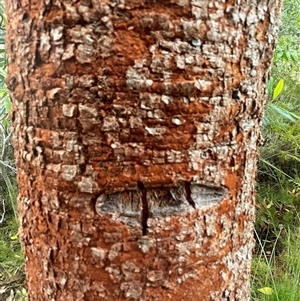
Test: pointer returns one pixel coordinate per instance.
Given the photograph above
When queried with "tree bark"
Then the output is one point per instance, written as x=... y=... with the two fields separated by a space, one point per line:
x=136 y=126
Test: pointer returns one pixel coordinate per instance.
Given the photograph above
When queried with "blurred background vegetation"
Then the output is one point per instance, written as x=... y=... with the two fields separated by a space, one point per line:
x=11 y=255
x=276 y=260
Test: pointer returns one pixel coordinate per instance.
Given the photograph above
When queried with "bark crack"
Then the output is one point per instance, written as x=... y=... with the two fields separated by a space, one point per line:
x=145 y=207
x=187 y=188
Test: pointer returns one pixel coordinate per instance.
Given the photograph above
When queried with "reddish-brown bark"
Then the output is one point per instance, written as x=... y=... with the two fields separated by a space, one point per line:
x=136 y=125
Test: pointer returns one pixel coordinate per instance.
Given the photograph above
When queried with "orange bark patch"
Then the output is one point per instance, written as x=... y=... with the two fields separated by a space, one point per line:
x=238 y=76
x=45 y=70
x=129 y=44
x=232 y=182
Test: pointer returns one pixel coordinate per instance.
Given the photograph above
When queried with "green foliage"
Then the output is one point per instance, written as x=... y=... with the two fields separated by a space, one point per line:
x=277 y=207
x=288 y=49
x=7 y=168
x=277 y=110
x=280 y=274
x=282 y=114
x=11 y=255
x=276 y=263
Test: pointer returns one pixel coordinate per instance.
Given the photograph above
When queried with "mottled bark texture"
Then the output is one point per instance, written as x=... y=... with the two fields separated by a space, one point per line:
x=136 y=127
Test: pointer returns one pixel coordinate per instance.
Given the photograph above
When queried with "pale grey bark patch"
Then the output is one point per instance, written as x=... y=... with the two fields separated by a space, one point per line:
x=99 y=252
x=87 y=185
x=145 y=244
x=132 y=290
x=123 y=206
x=205 y=195
x=69 y=172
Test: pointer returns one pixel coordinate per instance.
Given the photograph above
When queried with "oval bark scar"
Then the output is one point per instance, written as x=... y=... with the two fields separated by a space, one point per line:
x=134 y=208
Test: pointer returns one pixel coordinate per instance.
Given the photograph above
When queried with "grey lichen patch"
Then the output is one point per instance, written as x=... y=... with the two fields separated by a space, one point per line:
x=194 y=156
x=157 y=131
x=167 y=99
x=156 y=114
x=130 y=270
x=110 y=123
x=61 y=279
x=146 y=244
x=69 y=110
x=174 y=156
x=71 y=142
x=135 y=80
x=114 y=251
x=135 y=122
x=69 y=172
x=57 y=33
x=69 y=52
x=132 y=290
x=86 y=81
x=98 y=252
x=204 y=85
x=87 y=184
x=84 y=53
x=88 y=111
x=156 y=276
x=45 y=45
x=114 y=273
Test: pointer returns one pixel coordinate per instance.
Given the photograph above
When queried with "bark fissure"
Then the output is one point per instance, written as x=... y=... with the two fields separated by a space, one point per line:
x=187 y=187
x=145 y=207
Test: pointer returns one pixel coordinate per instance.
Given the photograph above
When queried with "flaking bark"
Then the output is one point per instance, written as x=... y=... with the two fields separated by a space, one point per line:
x=136 y=126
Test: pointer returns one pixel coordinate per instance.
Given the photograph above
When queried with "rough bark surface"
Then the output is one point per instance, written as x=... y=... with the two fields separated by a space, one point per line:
x=136 y=124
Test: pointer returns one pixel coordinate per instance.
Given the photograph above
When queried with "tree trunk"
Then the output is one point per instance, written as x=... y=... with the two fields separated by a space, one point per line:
x=136 y=126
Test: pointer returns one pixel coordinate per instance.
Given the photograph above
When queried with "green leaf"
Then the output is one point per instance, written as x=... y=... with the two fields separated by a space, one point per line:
x=283 y=112
x=288 y=216
x=270 y=85
x=14 y=237
x=7 y=104
x=266 y=121
x=287 y=56
x=278 y=55
x=294 y=55
x=266 y=290
x=269 y=205
x=278 y=89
